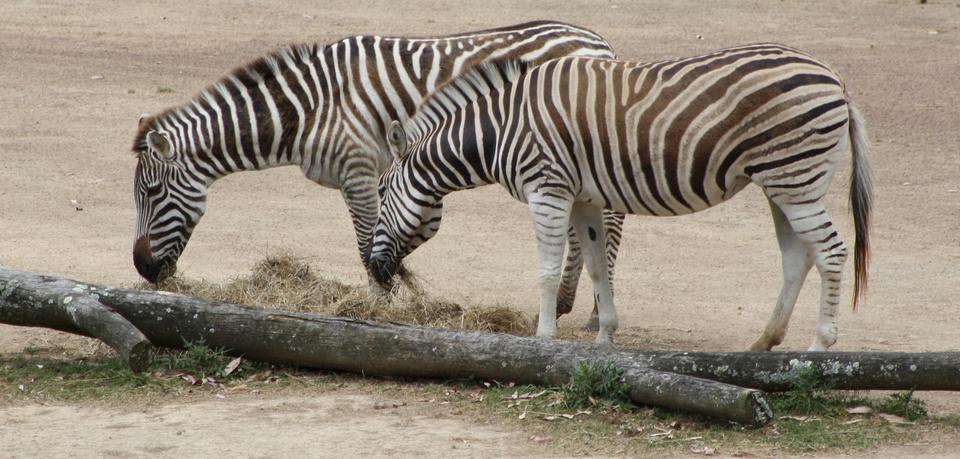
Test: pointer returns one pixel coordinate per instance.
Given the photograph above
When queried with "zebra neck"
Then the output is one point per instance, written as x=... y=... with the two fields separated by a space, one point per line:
x=260 y=116
x=461 y=154
x=222 y=156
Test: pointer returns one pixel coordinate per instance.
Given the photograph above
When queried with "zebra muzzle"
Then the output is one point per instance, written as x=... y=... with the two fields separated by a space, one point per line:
x=150 y=268
x=382 y=268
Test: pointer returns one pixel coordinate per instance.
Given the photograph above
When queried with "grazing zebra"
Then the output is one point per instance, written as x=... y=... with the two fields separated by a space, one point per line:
x=577 y=135
x=323 y=108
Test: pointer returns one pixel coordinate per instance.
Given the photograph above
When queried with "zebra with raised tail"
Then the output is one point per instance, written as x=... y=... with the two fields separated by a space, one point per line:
x=322 y=108
x=577 y=135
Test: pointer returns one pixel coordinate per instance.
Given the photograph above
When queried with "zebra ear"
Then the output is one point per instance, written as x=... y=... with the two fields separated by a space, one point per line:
x=143 y=116
x=397 y=139
x=159 y=143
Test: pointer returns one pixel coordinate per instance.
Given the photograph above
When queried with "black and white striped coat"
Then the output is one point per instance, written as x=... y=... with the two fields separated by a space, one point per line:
x=322 y=108
x=577 y=135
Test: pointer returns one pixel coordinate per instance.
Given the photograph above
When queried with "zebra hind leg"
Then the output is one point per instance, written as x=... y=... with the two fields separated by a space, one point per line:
x=612 y=231
x=796 y=264
x=571 y=274
x=587 y=219
x=812 y=225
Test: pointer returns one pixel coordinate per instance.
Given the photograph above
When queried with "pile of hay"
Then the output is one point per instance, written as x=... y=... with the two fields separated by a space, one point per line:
x=284 y=282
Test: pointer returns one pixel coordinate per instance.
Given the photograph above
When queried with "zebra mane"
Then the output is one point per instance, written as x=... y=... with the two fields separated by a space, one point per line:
x=469 y=87
x=263 y=66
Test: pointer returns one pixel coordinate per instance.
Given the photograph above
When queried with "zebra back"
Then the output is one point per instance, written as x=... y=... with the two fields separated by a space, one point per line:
x=663 y=138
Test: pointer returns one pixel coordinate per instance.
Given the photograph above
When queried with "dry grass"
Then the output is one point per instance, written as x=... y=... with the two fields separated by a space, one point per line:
x=283 y=281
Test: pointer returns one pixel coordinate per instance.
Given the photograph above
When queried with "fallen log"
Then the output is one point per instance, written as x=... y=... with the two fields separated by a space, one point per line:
x=774 y=371
x=335 y=343
x=74 y=311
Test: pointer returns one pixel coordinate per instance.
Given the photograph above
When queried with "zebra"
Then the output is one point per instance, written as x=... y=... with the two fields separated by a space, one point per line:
x=576 y=135
x=323 y=108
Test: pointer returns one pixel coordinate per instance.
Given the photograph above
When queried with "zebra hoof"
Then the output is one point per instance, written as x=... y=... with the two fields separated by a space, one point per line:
x=605 y=341
x=592 y=325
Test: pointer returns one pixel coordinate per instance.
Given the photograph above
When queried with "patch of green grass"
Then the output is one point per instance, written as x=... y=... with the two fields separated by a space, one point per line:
x=198 y=365
x=200 y=360
x=596 y=383
x=812 y=417
x=70 y=379
x=810 y=394
x=902 y=404
x=799 y=434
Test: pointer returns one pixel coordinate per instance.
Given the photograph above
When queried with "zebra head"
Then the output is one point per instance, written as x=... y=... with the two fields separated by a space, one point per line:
x=409 y=213
x=170 y=201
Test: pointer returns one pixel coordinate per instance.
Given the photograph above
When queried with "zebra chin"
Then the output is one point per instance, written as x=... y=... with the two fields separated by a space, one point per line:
x=383 y=267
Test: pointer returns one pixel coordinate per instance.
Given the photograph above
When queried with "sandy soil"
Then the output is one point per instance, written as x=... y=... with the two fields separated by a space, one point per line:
x=74 y=76
x=312 y=426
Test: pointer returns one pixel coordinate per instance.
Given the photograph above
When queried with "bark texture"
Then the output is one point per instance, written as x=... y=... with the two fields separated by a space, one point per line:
x=38 y=301
x=773 y=371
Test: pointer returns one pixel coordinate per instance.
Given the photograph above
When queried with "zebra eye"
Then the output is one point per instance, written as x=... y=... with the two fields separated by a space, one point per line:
x=154 y=189
x=397 y=138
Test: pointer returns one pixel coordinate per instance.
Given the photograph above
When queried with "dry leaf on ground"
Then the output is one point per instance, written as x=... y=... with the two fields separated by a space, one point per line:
x=894 y=419
x=860 y=410
x=232 y=366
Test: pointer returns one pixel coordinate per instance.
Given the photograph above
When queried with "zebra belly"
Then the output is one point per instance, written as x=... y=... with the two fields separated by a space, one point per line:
x=627 y=199
x=638 y=209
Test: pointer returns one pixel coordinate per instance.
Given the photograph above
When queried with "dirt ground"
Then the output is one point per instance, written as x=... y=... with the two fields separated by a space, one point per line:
x=323 y=425
x=75 y=76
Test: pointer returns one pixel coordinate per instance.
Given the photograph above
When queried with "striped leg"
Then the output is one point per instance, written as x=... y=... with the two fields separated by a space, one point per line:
x=796 y=264
x=612 y=229
x=812 y=226
x=571 y=274
x=587 y=219
x=612 y=225
x=359 y=191
x=551 y=215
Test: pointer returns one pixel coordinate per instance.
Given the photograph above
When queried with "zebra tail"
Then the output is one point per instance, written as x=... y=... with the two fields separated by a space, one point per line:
x=861 y=202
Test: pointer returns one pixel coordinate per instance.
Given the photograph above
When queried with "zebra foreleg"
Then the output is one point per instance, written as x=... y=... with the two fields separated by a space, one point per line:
x=796 y=264
x=359 y=192
x=587 y=219
x=551 y=216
